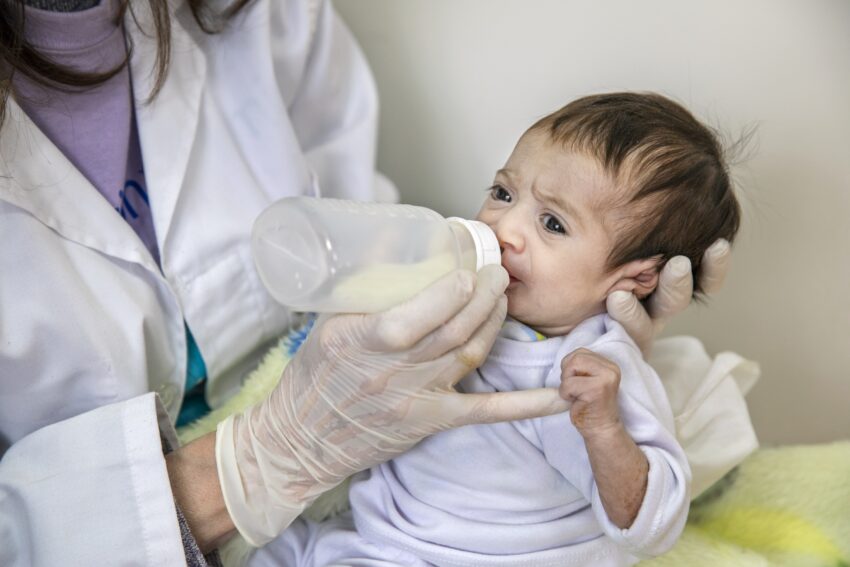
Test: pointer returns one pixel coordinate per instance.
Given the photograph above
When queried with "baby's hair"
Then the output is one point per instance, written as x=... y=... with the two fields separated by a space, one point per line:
x=668 y=168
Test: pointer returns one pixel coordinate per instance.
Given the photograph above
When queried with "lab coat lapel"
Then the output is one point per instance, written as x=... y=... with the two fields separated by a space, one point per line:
x=37 y=177
x=167 y=125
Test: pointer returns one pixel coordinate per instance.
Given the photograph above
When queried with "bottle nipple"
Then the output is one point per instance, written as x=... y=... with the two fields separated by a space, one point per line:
x=487 y=250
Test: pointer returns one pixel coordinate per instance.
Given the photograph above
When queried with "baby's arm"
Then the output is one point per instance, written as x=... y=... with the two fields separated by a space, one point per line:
x=634 y=472
x=620 y=469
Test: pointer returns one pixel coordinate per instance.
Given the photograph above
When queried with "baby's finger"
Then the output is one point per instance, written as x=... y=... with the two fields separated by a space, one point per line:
x=585 y=362
x=573 y=386
x=675 y=288
x=579 y=363
x=715 y=265
x=506 y=406
x=625 y=308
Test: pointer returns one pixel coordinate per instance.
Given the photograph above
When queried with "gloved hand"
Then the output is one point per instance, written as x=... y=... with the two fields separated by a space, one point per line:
x=673 y=294
x=362 y=389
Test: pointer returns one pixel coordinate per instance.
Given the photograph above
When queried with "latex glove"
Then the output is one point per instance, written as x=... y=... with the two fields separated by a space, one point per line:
x=362 y=389
x=673 y=294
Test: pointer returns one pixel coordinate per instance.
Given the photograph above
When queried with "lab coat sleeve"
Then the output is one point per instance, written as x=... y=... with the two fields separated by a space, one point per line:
x=91 y=490
x=335 y=108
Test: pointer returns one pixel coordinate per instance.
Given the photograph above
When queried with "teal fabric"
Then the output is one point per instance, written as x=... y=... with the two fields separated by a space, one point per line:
x=194 y=402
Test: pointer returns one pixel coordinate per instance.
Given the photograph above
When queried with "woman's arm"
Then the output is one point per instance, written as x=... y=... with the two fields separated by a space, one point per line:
x=194 y=482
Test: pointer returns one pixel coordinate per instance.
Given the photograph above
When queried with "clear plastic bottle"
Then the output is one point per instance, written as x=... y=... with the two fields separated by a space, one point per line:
x=334 y=256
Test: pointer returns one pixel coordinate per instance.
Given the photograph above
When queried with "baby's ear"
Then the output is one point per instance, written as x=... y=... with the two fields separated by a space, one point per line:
x=639 y=277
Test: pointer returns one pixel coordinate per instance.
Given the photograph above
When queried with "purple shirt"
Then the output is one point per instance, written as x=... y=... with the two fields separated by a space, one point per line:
x=94 y=128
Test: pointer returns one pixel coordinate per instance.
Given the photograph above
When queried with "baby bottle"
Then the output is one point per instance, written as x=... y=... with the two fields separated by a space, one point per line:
x=330 y=255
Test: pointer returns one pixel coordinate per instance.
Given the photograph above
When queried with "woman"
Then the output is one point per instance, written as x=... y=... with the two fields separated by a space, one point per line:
x=108 y=321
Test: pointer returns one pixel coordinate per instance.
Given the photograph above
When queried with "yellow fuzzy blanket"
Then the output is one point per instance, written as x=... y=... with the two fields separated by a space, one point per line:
x=787 y=506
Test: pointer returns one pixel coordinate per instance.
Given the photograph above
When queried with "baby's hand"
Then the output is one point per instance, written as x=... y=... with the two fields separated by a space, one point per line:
x=591 y=382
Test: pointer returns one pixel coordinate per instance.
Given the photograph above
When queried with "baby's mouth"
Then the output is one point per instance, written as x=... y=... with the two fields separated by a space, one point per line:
x=512 y=278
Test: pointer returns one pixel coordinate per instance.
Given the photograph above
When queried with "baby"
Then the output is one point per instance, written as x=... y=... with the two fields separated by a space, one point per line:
x=594 y=199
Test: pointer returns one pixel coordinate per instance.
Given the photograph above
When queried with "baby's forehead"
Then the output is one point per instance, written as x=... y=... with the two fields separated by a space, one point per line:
x=560 y=170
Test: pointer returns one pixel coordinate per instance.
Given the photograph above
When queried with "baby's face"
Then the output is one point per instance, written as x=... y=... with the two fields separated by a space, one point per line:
x=547 y=208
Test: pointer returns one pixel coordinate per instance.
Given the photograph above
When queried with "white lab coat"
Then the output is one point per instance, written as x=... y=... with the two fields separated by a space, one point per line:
x=281 y=103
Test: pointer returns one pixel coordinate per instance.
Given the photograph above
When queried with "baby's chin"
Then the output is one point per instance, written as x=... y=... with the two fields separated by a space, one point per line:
x=528 y=320
x=545 y=325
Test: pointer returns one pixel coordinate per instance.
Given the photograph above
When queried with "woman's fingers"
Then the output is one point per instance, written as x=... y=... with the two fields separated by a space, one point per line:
x=404 y=325
x=472 y=330
x=672 y=296
x=715 y=265
x=625 y=308
x=675 y=288
x=471 y=354
x=504 y=406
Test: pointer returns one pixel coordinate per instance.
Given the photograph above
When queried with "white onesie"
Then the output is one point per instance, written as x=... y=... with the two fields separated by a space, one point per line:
x=516 y=493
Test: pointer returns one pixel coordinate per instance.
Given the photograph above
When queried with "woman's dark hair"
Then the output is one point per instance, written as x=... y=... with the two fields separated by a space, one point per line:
x=18 y=56
x=676 y=193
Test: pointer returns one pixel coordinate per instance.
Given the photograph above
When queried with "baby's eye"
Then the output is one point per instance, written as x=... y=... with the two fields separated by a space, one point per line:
x=552 y=224
x=499 y=193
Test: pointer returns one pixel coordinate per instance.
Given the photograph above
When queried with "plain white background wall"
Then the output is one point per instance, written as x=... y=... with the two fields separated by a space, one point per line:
x=460 y=80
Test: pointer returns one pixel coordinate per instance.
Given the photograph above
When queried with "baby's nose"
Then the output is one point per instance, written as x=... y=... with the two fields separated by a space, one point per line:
x=509 y=238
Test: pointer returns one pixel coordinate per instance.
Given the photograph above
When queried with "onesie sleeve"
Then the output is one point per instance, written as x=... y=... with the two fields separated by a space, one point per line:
x=646 y=415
